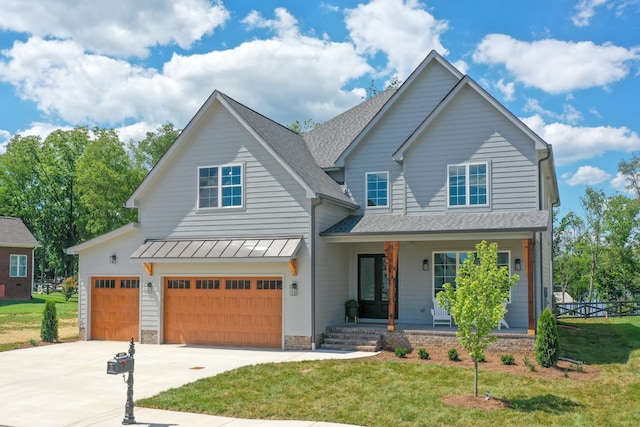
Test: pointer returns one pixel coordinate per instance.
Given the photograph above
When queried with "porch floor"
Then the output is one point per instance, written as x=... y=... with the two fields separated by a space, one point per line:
x=425 y=328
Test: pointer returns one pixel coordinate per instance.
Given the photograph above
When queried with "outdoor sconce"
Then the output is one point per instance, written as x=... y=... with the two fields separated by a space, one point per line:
x=518 y=265
x=425 y=265
x=113 y=259
x=294 y=289
x=149 y=287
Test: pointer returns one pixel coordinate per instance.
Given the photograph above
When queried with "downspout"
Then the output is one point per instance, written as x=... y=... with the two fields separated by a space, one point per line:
x=314 y=204
x=540 y=251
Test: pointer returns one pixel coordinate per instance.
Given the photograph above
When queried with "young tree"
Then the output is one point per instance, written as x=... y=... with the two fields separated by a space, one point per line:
x=594 y=203
x=49 y=328
x=476 y=303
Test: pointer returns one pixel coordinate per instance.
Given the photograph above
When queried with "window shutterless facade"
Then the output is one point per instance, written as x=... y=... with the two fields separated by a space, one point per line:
x=467 y=184
x=220 y=186
x=446 y=265
x=377 y=189
x=18 y=266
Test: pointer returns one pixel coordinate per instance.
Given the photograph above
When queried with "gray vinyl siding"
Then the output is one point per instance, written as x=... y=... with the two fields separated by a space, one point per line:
x=373 y=154
x=274 y=202
x=470 y=130
x=332 y=270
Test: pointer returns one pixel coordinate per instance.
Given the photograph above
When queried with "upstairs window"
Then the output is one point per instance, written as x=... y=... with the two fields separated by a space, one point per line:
x=378 y=189
x=18 y=266
x=220 y=186
x=467 y=184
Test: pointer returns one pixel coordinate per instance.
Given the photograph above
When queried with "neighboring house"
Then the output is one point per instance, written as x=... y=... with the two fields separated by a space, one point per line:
x=252 y=235
x=17 y=245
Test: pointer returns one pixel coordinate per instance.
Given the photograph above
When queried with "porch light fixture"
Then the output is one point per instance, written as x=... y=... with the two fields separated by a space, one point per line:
x=113 y=258
x=149 y=287
x=294 y=289
x=518 y=265
x=425 y=264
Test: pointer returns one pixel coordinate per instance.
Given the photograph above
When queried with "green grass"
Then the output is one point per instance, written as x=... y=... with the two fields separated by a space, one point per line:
x=392 y=393
x=20 y=321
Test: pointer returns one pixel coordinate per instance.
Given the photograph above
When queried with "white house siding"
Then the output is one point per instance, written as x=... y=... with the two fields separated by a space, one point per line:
x=471 y=130
x=331 y=270
x=274 y=201
x=415 y=286
x=373 y=154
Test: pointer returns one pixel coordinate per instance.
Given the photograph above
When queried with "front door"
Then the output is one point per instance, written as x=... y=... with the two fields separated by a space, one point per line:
x=373 y=287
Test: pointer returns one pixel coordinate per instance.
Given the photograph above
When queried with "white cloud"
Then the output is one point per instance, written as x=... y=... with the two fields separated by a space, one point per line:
x=585 y=11
x=587 y=175
x=116 y=27
x=620 y=183
x=507 y=89
x=569 y=113
x=403 y=30
x=557 y=66
x=287 y=77
x=327 y=7
x=462 y=66
x=572 y=144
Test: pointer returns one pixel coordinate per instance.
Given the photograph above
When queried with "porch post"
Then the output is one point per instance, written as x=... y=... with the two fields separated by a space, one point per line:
x=527 y=249
x=391 y=255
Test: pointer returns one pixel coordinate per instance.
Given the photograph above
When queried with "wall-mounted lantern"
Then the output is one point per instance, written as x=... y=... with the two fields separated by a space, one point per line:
x=294 y=289
x=113 y=258
x=149 y=286
x=425 y=264
x=518 y=265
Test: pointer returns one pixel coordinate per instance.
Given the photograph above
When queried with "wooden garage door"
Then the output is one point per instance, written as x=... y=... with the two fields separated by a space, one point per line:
x=115 y=306
x=234 y=311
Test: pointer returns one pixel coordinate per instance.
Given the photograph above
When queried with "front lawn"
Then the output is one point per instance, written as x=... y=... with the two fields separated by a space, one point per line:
x=393 y=393
x=20 y=321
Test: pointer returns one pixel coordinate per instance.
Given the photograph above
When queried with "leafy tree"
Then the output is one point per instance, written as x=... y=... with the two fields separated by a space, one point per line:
x=570 y=267
x=105 y=181
x=631 y=170
x=372 y=90
x=476 y=303
x=304 y=127
x=49 y=328
x=147 y=153
x=593 y=204
x=69 y=287
x=547 y=339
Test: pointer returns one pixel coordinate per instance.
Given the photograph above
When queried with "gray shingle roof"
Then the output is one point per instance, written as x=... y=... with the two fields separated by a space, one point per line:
x=13 y=233
x=291 y=148
x=329 y=139
x=440 y=223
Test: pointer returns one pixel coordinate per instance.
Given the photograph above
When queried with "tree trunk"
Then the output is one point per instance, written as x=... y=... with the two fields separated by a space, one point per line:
x=475 y=393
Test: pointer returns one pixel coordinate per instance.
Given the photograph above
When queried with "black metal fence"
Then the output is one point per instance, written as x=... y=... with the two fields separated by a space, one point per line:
x=598 y=309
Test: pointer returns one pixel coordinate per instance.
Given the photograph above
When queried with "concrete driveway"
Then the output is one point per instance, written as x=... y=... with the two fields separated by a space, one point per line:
x=67 y=384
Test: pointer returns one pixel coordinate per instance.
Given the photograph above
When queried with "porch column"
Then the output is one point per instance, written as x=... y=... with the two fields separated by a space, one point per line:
x=527 y=249
x=391 y=255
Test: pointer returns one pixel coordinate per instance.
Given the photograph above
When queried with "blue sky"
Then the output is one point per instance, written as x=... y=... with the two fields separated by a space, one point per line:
x=570 y=69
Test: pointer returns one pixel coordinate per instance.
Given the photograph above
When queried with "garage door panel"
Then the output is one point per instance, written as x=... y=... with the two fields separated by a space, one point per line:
x=235 y=313
x=114 y=308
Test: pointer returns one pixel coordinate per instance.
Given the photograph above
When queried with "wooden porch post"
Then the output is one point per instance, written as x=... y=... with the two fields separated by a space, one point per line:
x=391 y=255
x=527 y=249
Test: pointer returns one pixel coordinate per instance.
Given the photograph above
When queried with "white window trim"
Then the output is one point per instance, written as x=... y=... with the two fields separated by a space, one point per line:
x=467 y=184
x=458 y=264
x=366 y=190
x=18 y=264
x=219 y=167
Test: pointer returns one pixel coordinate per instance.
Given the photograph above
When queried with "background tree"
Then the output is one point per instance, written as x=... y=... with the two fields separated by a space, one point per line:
x=631 y=170
x=593 y=204
x=476 y=303
x=147 y=153
x=570 y=266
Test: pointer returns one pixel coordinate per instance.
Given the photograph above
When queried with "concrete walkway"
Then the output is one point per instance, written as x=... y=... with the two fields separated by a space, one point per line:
x=67 y=384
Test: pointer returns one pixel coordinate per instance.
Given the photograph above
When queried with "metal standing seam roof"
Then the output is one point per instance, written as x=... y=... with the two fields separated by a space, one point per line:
x=213 y=249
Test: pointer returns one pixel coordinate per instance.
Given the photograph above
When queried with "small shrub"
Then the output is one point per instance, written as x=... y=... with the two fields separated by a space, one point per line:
x=423 y=353
x=401 y=352
x=529 y=364
x=452 y=354
x=49 y=329
x=33 y=342
x=69 y=287
x=507 y=359
x=579 y=368
x=547 y=340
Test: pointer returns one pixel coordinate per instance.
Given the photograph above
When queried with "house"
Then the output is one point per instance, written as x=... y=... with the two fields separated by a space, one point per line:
x=17 y=246
x=252 y=235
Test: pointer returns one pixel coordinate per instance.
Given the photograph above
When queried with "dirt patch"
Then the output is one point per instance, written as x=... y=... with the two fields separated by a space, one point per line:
x=471 y=402
x=67 y=330
x=438 y=356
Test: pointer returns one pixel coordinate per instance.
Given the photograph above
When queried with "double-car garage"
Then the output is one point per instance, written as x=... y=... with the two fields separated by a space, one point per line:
x=226 y=311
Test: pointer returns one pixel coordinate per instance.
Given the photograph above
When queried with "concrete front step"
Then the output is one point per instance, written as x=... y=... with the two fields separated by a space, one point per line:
x=352 y=339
